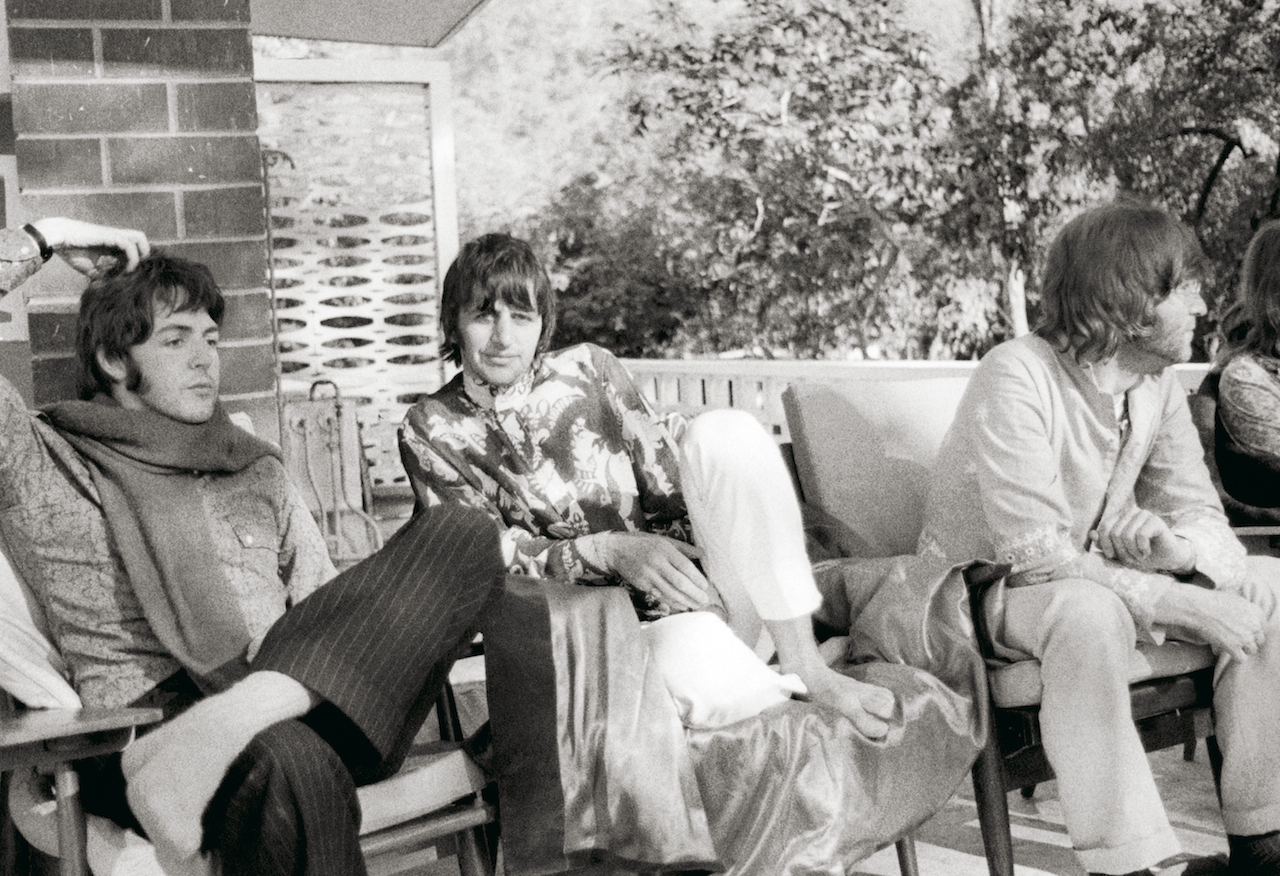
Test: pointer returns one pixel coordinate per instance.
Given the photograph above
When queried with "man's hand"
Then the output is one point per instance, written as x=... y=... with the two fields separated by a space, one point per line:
x=658 y=565
x=84 y=245
x=1141 y=540
x=1228 y=622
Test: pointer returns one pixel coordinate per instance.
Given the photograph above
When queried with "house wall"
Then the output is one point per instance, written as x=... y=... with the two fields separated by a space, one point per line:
x=142 y=113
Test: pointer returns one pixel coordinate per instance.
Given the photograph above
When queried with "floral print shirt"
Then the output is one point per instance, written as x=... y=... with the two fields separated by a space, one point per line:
x=1040 y=454
x=569 y=452
x=1248 y=445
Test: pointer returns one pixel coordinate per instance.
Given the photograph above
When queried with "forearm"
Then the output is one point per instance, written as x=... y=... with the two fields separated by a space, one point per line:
x=1217 y=552
x=584 y=557
x=19 y=258
x=1177 y=606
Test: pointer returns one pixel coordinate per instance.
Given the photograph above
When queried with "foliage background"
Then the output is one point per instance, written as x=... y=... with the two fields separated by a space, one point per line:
x=851 y=178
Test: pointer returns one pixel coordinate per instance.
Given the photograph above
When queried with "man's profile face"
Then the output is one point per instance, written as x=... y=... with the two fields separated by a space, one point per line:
x=178 y=365
x=1170 y=340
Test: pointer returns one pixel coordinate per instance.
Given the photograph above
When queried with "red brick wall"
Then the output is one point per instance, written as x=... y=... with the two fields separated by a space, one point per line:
x=142 y=113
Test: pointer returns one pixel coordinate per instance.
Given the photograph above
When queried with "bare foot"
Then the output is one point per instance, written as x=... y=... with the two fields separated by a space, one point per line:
x=868 y=706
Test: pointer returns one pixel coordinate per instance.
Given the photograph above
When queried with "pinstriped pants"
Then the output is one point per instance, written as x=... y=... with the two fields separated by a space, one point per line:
x=376 y=643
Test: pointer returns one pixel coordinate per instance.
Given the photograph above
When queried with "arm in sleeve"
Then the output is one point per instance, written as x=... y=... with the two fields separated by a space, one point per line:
x=1247 y=434
x=19 y=258
x=1175 y=484
x=21 y=452
x=1022 y=493
x=651 y=442
x=1249 y=407
x=304 y=557
x=440 y=472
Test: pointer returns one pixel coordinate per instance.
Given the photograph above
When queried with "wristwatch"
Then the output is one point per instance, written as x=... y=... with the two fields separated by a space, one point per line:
x=46 y=251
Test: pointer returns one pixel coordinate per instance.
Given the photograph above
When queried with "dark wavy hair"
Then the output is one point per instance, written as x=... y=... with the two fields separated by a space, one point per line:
x=117 y=312
x=1252 y=323
x=1106 y=272
x=489 y=269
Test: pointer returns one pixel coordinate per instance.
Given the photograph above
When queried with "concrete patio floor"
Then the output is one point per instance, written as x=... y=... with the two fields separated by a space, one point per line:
x=950 y=844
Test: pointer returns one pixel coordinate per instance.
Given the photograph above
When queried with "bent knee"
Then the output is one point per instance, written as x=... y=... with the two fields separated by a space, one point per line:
x=724 y=426
x=1087 y=619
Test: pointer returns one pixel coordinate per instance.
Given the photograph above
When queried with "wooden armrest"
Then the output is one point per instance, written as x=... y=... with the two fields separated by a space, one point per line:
x=1247 y=531
x=45 y=737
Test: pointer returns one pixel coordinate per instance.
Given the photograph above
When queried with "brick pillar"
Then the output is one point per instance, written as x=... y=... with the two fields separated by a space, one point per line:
x=142 y=113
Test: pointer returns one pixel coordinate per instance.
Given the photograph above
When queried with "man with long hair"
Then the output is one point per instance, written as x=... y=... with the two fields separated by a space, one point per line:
x=1077 y=447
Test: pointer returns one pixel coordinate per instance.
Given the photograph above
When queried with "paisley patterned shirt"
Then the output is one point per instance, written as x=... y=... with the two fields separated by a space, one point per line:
x=1036 y=456
x=571 y=451
x=1248 y=451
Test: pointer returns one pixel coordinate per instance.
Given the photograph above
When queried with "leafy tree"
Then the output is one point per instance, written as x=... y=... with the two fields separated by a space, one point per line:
x=1175 y=102
x=615 y=287
x=793 y=136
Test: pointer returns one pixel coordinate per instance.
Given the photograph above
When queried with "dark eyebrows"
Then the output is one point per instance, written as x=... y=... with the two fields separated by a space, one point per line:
x=186 y=330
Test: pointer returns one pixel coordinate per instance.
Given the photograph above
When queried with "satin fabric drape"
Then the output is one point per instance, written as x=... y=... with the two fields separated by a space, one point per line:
x=593 y=765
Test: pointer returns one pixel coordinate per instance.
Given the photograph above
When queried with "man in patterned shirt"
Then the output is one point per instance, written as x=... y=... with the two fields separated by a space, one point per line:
x=1078 y=449
x=164 y=545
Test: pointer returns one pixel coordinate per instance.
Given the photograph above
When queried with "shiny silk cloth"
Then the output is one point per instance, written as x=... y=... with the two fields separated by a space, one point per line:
x=593 y=765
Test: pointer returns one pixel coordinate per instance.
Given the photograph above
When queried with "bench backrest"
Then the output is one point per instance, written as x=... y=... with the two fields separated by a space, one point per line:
x=864 y=449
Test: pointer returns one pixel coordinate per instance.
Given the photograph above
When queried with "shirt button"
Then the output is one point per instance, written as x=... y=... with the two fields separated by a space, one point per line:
x=248 y=539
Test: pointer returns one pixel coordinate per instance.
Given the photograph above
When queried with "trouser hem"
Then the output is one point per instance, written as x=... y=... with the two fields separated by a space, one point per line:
x=1252 y=822
x=1131 y=856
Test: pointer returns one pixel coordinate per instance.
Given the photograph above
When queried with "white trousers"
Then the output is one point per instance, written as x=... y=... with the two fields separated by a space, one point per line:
x=747 y=521
x=1083 y=636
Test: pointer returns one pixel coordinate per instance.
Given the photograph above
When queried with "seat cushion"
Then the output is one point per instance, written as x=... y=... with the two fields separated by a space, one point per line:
x=1018 y=684
x=433 y=776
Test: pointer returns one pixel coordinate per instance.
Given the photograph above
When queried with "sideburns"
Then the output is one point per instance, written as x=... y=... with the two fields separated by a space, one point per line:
x=132 y=375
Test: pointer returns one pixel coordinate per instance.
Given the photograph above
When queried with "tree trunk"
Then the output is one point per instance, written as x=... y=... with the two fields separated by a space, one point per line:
x=1016 y=290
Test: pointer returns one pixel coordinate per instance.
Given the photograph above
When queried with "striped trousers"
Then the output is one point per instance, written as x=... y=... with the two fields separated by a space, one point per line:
x=376 y=643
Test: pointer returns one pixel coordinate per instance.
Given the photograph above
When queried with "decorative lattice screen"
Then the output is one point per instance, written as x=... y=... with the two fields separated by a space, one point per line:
x=349 y=168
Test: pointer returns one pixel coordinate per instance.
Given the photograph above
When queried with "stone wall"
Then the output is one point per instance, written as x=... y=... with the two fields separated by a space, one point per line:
x=143 y=113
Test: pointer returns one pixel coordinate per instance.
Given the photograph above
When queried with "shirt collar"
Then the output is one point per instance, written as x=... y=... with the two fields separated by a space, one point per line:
x=490 y=397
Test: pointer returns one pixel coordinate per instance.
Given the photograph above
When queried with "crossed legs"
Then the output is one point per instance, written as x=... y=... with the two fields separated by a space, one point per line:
x=372 y=648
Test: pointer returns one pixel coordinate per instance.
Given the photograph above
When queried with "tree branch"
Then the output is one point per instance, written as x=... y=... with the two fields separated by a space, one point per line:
x=1223 y=155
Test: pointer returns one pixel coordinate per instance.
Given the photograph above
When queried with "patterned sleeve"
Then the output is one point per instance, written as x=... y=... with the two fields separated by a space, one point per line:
x=1249 y=411
x=432 y=451
x=304 y=557
x=651 y=443
x=19 y=258
x=1022 y=494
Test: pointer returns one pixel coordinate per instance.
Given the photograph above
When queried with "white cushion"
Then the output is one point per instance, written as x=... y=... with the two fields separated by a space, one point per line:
x=30 y=667
x=1018 y=684
x=864 y=450
x=713 y=676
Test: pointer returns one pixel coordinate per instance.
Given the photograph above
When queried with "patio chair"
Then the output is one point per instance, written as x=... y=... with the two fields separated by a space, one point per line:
x=435 y=796
x=863 y=452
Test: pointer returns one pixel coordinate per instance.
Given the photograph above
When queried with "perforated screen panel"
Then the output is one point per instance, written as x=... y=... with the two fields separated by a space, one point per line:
x=354 y=248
